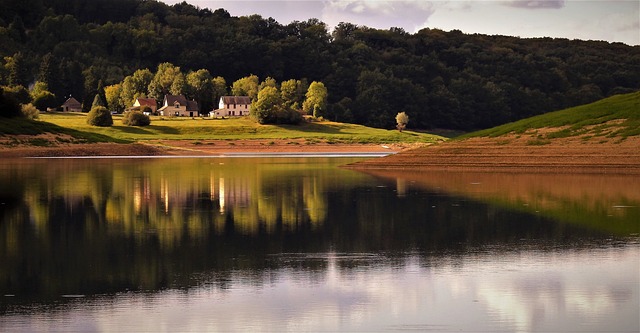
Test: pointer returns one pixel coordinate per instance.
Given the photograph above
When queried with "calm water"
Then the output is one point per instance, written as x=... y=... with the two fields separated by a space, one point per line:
x=297 y=244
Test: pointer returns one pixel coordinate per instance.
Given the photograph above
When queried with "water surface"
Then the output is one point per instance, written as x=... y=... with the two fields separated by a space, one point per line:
x=297 y=244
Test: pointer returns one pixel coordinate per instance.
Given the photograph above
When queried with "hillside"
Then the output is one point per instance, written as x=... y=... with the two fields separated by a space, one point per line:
x=602 y=137
x=441 y=79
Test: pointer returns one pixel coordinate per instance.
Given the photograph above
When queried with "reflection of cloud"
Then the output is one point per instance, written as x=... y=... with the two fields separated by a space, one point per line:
x=595 y=290
x=535 y=4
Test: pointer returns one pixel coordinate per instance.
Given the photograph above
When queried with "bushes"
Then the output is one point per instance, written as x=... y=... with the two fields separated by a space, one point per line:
x=99 y=116
x=30 y=111
x=135 y=118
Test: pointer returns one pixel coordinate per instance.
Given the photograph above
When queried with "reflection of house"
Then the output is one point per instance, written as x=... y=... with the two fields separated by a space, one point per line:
x=140 y=103
x=178 y=105
x=72 y=105
x=232 y=106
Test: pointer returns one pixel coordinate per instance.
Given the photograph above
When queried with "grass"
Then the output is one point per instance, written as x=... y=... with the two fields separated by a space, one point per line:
x=235 y=129
x=615 y=117
x=18 y=126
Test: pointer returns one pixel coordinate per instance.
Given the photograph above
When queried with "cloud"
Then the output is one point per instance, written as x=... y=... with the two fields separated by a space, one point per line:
x=378 y=13
x=535 y=4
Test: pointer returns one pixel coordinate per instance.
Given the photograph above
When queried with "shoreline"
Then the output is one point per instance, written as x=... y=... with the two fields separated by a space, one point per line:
x=486 y=155
x=204 y=148
x=514 y=155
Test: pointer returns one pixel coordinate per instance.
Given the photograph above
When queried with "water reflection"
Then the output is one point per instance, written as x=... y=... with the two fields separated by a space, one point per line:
x=299 y=244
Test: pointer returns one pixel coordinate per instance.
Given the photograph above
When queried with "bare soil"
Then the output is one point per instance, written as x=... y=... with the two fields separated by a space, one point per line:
x=518 y=154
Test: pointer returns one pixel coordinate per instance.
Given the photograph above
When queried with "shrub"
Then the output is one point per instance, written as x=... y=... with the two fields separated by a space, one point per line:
x=30 y=111
x=135 y=118
x=99 y=116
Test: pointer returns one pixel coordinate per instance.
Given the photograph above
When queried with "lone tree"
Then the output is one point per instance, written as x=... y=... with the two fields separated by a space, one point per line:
x=402 y=119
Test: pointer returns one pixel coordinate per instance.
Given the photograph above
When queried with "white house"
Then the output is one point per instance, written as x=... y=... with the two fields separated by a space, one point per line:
x=232 y=106
x=178 y=106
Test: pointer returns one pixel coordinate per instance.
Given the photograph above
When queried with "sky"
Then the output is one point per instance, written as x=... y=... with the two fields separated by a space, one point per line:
x=608 y=20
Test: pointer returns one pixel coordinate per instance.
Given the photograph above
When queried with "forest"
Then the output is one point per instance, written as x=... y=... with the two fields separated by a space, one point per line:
x=439 y=79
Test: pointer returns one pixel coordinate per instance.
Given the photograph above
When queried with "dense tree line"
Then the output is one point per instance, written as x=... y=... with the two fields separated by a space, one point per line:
x=438 y=78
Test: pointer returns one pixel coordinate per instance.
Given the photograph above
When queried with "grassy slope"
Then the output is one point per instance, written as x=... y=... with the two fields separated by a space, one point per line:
x=616 y=116
x=209 y=129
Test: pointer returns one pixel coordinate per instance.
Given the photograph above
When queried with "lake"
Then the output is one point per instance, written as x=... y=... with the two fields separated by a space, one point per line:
x=279 y=244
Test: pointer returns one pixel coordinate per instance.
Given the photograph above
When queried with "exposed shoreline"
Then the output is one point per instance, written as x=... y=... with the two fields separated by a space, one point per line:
x=473 y=155
x=516 y=155
x=205 y=148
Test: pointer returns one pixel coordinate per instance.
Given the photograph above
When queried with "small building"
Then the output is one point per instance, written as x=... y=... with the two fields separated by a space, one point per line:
x=178 y=106
x=71 y=105
x=140 y=103
x=232 y=106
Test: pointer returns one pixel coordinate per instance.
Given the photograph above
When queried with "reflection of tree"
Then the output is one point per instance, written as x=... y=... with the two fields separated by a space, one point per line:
x=111 y=225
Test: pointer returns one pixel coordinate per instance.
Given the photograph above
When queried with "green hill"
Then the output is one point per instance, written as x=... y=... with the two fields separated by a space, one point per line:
x=614 y=117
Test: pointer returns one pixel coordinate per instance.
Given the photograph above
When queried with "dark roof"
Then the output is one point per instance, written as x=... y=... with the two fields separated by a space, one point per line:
x=172 y=99
x=192 y=106
x=72 y=103
x=236 y=100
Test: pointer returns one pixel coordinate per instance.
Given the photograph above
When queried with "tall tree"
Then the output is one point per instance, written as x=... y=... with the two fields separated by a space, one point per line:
x=246 y=86
x=163 y=79
x=316 y=99
x=134 y=86
x=219 y=89
x=200 y=88
x=18 y=73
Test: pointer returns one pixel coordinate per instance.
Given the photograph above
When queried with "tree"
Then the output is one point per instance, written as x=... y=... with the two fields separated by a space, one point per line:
x=18 y=74
x=246 y=86
x=99 y=116
x=50 y=74
x=293 y=93
x=112 y=94
x=263 y=109
x=200 y=88
x=41 y=96
x=316 y=99
x=9 y=108
x=163 y=81
x=134 y=86
x=97 y=101
x=402 y=119
x=219 y=89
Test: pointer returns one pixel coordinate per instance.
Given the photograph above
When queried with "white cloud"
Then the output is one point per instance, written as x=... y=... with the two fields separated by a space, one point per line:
x=535 y=4
x=380 y=14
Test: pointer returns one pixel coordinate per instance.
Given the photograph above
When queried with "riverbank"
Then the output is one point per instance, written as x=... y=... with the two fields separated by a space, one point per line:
x=199 y=148
x=517 y=154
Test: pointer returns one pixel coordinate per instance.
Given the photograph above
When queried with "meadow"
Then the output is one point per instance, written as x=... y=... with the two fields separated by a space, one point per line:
x=185 y=128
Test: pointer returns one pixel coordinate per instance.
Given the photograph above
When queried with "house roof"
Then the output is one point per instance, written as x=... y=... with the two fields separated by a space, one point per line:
x=236 y=100
x=72 y=103
x=192 y=106
x=147 y=102
x=172 y=99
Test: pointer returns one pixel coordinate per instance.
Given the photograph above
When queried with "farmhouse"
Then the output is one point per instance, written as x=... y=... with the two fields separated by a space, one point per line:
x=140 y=103
x=71 y=105
x=232 y=106
x=178 y=106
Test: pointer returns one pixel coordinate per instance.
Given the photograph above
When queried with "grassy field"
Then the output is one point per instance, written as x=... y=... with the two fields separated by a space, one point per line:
x=75 y=125
x=614 y=117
